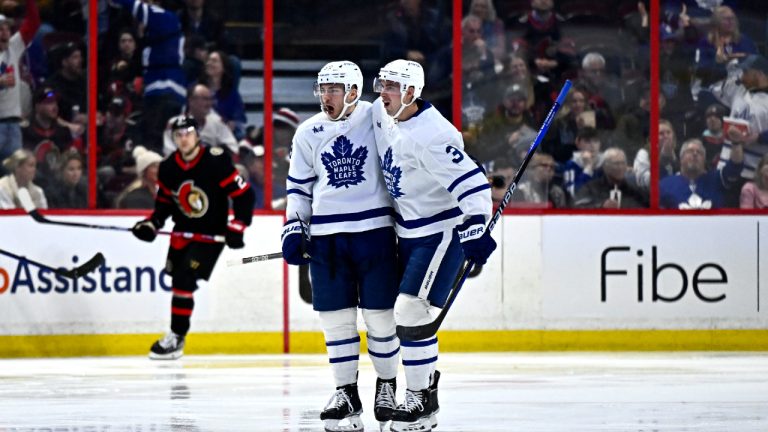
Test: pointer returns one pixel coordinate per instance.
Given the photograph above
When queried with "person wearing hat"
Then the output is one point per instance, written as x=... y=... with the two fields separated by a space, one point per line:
x=69 y=81
x=712 y=137
x=195 y=186
x=21 y=167
x=12 y=47
x=45 y=136
x=141 y=193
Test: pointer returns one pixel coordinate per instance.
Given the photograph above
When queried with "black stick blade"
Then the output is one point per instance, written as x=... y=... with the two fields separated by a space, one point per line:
x=87 y=267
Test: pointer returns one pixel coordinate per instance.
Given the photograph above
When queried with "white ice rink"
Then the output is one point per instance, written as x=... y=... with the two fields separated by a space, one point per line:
x=478 y=392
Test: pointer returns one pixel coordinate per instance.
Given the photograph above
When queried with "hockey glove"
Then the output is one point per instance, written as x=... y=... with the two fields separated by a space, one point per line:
x=296 y=244
x=145 y=230
x=234 y=235
x=476 y=242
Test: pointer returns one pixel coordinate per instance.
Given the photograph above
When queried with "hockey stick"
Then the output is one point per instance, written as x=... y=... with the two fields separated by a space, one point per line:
x=74 y=273
x=428 y=330
x=275 y=255
x=29 y=207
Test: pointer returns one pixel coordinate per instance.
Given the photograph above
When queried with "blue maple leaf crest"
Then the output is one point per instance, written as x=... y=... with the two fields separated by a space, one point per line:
x=392 y=174
x=344 y=165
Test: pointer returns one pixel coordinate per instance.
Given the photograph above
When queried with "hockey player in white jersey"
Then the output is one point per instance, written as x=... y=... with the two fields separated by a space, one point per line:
x=335 y=183
x=442 y=201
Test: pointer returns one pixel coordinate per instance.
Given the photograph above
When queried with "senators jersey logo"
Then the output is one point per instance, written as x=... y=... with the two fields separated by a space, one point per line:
x=192 y=200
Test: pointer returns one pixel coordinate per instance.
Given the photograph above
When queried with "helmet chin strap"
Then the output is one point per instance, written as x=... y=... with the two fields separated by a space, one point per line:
x=346 y=106
x=403 y=106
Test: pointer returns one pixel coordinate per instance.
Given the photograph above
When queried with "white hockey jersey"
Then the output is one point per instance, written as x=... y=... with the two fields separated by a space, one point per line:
x=434 y=183
x=334 y=181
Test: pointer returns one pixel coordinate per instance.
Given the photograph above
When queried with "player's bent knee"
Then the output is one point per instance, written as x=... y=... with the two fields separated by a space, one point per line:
x=379 y=322
x=339 y=324
x=412 y=311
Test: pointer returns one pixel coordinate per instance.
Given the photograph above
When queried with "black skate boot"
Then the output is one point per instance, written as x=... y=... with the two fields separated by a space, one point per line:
x=413 y=414
x=170 y=347
x=434 y=407
x=342 y=413
x=385 y=403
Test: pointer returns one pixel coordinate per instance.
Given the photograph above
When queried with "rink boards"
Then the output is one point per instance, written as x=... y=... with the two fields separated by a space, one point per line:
x=569 y=282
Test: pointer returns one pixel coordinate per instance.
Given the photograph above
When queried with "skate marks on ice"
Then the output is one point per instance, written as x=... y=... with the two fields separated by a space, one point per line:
x=478 y=392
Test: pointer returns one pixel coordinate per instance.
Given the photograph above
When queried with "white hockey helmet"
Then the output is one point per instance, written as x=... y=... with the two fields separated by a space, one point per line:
x=407 y=73
x=341 y=72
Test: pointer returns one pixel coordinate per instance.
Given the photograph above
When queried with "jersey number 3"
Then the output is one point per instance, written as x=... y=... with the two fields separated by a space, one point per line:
x=457 y=155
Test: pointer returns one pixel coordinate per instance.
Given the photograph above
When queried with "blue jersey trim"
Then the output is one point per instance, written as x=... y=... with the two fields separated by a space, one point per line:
x=416 y=344
x=344 y=359
x=422 y=107
x=301 y=181
x=384 y=355
x=419 y=362
x=343 y=341
x=463 y=177
x=473 y=190
x=351 y=217
x=298 y=192
x=418 y=223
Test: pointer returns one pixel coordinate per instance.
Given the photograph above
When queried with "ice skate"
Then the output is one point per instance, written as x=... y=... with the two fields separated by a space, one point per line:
x=413 y=415
x=433 y=405
x=170 y=347
x=342 y=413
x=385 y=404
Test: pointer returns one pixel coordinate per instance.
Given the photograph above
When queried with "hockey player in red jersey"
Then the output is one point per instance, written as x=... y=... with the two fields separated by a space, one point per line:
x=196 y=183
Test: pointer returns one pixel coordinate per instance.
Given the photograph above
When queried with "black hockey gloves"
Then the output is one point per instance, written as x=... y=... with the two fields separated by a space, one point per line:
x=234 y=236
x=476 y=242
x=145 y=230
x=296 y=244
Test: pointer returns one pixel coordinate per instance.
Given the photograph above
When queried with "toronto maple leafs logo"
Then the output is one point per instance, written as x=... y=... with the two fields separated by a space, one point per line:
x=344 y=165
x=392 y=174
x=317 y=129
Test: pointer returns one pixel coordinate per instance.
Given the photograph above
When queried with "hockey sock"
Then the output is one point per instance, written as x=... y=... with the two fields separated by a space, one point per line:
x=343 y=344
x=383 y=344
x=419 y=359
x=182 y=305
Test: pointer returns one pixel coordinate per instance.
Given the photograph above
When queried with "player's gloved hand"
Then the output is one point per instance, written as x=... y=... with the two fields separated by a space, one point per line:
x=234 y=235
x=476 y=242
x=296 y=244
x=145 y=230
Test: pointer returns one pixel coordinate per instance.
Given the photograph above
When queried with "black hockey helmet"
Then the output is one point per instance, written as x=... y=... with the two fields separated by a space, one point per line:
x=185 y=122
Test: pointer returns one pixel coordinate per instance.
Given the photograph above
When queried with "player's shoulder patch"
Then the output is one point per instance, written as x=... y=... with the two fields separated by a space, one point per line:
x=216 y=151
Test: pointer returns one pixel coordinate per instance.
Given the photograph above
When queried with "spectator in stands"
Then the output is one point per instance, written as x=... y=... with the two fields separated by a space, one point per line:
x=586 y=163
x=492 y=30
x=633 y=128
x=723 y=43
x=229 y=104
x=695 y=187
x=164 y=82
x=21 y=166
x=197 y=20
x=668 y=162
x=69 y=82
x=141 y=193
x=712 y=137
x=613 y=189
x=45 y=136
x=502 y=133
x=541 y=34
x=602 y=86
x=126 y=68
x=195 y=55
x=415 y=32
x=252 y=158
x=69 y=189
x=754 y=194
x=560 y=142
x=538 y=189
x=12 y=47
x=477 y=62
x=284 y=124
x=210 y=126
x=117 y=137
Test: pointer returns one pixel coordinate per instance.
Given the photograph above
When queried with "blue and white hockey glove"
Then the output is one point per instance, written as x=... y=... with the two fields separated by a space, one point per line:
x=476 y=242
x=296 y=245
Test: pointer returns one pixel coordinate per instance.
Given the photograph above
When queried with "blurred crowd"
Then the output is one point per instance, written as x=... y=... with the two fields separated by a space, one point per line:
x=159 y=59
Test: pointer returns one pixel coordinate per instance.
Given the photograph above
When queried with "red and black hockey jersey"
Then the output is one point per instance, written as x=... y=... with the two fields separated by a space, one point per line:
x=196 y=193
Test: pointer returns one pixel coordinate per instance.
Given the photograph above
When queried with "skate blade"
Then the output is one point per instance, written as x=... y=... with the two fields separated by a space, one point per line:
x=421 y=425
x=352 y=423
x=170 y=356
